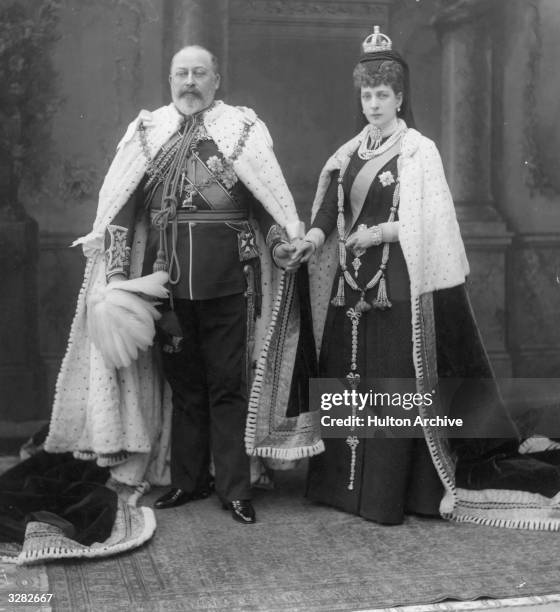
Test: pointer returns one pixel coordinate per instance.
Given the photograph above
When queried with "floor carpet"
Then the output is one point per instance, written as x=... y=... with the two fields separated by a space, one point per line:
x=301 y=557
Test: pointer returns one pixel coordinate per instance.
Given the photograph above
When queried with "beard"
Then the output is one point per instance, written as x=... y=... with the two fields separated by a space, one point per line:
x=190 y=102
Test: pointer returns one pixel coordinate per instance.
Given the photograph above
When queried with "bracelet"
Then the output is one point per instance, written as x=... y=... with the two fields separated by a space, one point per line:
x=276 y=235
x=273 y=251
x=377 y=234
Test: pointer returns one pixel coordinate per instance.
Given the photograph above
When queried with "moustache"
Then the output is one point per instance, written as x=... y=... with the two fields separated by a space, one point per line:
x=191 y=92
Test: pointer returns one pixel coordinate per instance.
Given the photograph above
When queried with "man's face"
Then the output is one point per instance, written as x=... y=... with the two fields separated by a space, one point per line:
x=193 y=81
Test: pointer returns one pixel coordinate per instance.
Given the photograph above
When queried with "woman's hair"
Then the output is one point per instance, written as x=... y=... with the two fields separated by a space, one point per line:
x=375 y=73
x=385 y=68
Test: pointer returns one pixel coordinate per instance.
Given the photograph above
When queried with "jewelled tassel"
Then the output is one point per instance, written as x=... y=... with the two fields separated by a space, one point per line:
x=339 y=299
x=382 y=302
x=362 y=305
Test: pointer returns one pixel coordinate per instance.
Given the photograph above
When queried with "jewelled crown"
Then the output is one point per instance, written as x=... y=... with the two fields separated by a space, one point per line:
x=376 y=42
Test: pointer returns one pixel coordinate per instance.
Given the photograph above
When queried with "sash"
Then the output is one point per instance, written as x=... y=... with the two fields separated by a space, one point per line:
x=211 y=190
x=363 y=182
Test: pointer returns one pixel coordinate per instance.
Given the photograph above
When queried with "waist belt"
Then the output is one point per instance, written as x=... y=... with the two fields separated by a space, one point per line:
x=206 y=216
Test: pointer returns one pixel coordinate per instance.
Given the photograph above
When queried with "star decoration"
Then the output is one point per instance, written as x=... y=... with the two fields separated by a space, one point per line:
x=386 y=178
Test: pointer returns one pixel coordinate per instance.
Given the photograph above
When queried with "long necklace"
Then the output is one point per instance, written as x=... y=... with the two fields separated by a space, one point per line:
x=381 y=302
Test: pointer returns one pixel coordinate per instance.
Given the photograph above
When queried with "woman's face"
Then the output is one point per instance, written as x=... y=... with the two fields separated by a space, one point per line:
x=379 y=105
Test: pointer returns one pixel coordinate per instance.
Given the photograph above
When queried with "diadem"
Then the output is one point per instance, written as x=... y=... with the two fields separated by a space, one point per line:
x=376 y=42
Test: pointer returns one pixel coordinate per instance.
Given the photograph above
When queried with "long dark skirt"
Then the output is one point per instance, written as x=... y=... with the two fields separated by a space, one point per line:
x=396 y=476
x=393 y=476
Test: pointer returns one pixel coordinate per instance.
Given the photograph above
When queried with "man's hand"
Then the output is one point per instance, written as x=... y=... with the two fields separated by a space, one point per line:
x=303 y=249
x=282 y=255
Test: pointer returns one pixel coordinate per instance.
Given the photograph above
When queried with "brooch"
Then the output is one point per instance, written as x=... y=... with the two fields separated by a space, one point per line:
x=386 y=178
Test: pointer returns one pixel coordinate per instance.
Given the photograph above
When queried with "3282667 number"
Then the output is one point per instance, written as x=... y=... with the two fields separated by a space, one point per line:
x=29 y=597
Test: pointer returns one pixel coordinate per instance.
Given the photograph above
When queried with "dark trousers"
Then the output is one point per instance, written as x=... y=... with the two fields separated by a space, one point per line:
x=209 y=387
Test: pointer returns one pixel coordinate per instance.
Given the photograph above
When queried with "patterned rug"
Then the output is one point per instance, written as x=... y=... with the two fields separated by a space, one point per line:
x=301 y=557
x=20 y=580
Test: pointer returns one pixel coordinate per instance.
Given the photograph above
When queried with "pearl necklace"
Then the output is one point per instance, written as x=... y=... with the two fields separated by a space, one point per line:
x=371 y=145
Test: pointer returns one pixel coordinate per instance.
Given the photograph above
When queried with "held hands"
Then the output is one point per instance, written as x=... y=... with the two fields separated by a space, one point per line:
x=303 y=249
x=299 y=250
x=282 y=254
x=291 y=255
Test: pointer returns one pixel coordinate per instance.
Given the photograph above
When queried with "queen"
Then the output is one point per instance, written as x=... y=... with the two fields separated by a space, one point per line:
x=387 y=278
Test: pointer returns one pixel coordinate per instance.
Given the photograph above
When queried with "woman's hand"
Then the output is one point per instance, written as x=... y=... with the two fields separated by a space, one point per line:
x=282 y=255
x=364 y=238
x=303 y=249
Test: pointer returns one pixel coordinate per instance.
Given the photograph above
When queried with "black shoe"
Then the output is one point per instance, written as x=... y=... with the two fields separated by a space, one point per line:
x=178 y=497
x=241 y=510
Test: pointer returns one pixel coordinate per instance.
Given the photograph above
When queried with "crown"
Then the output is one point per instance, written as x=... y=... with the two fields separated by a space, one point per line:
x=376 y=42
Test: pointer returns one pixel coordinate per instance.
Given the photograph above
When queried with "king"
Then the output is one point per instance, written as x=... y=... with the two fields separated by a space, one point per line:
x=194 y=190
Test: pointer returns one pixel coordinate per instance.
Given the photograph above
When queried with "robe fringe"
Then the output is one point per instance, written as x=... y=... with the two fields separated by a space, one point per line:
x=27 y=557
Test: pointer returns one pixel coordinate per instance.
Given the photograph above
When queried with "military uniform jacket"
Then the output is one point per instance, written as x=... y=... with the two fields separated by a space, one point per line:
x=214 y=234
